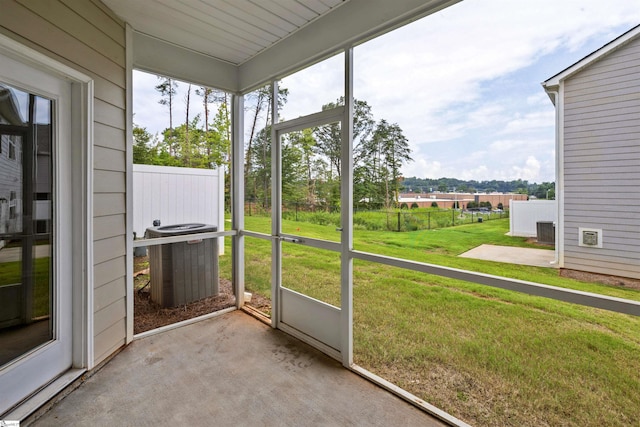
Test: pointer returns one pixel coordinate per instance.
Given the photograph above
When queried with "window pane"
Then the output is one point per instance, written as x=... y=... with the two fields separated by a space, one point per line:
x=25 y=222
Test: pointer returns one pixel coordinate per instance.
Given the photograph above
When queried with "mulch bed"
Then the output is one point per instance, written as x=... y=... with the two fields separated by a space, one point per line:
x=604 y=279
x=148 y=315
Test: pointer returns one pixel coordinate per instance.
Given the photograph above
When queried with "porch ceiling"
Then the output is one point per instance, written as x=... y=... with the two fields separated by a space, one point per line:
x=232 y=31
x=262 y=39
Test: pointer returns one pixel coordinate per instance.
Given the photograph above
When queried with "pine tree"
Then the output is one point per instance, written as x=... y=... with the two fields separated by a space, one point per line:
x=167 y=89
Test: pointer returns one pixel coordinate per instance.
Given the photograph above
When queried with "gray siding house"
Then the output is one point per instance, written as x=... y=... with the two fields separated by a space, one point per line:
x=597 y=104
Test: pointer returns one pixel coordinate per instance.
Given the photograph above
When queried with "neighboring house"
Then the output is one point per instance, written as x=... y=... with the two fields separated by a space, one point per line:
x=10 y=167
x=597 y=104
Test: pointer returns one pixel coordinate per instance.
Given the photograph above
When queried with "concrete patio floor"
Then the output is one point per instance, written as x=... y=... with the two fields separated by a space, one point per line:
x=231 y=370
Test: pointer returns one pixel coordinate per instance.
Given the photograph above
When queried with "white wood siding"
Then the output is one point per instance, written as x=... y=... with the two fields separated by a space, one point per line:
x=85 y=35
x=602 y=163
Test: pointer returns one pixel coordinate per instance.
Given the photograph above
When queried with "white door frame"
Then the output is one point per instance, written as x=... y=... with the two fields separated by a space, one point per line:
x=72 y=179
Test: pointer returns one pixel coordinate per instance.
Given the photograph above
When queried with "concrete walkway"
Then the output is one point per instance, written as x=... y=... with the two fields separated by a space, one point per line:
x=229 y=371
x=512 y=255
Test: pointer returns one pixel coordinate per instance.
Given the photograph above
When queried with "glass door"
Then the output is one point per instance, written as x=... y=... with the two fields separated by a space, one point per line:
x=35 y=290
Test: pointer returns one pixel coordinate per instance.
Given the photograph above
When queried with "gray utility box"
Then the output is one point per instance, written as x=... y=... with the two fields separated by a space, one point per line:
x=546 y=232
x=186 y=271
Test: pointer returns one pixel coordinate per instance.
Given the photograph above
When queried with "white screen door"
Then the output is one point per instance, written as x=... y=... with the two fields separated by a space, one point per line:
x=35 y=230
x=308 y=264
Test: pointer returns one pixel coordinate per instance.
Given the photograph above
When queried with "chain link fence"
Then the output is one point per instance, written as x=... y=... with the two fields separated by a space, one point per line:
x=379 y=219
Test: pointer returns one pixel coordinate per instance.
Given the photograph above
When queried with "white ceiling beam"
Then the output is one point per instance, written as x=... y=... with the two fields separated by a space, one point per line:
x=159 y=57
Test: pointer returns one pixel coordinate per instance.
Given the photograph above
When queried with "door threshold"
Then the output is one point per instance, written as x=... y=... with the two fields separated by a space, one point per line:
x=38 y=399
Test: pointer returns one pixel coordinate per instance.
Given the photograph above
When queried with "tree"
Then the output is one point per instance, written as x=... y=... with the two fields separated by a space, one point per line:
x=329 y=137
x=382 y=157
x=142 y=152
x=546 y=190
x=167 y=89
x=186 y=149
x=293 y=168
x=305 y=142
x=260 y=173
x=218 y=138
x=397 y=151
x=311 y=158
x=259 y=101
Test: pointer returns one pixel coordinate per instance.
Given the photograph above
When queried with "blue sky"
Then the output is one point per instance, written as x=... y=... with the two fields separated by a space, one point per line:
x=463 y=84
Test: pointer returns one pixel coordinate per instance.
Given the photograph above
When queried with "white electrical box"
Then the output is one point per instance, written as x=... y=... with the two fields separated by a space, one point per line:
x=590 y=237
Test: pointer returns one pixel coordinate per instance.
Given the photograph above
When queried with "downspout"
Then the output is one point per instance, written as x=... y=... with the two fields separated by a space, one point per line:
x=559 y=185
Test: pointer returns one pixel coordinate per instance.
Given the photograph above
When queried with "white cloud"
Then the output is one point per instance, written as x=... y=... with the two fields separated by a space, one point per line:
x=503 y=145
x=313 y=87
x=540 y=99
x=530 y=122
x=529 y=171
x=438 y=63
x=423 y=167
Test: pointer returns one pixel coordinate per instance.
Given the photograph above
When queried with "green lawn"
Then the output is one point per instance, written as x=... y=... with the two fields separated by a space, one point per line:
x=485 y=355
x=11 y=273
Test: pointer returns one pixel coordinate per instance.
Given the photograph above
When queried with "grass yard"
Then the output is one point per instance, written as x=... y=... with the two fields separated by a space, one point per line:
x=391 y=220
x=487 y=356
x=11 y=273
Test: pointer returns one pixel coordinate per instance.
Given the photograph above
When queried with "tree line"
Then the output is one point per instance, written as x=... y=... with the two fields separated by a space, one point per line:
x=311 y=158
x=195 y=142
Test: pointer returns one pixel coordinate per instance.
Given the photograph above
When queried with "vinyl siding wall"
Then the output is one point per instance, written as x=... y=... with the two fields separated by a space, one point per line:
x=85 y=35
x=602 y=163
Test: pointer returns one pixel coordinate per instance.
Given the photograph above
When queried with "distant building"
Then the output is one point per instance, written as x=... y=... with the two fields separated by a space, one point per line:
x=448 y=200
